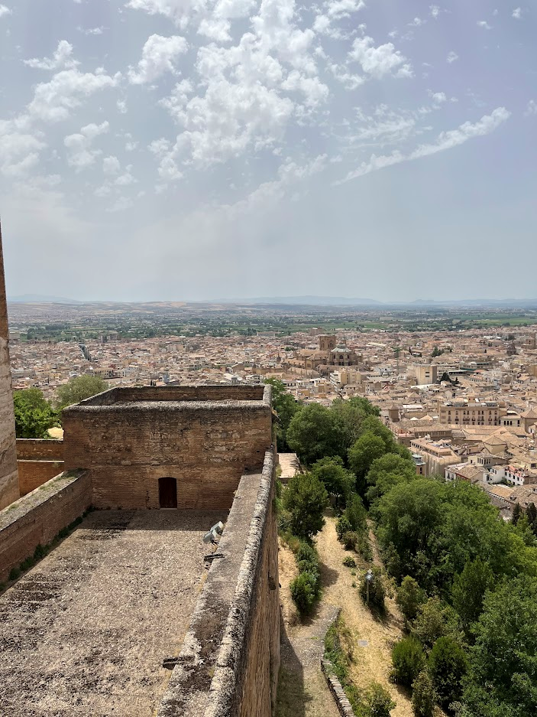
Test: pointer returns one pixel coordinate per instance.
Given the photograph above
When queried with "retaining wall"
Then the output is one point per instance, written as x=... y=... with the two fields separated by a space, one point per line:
x=39 y=516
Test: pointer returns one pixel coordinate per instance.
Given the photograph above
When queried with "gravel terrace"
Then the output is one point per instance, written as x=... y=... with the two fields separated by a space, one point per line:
x=86 y=630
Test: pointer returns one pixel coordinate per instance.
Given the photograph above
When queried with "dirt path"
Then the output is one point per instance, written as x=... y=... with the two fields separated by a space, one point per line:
x=303 y=691
x=373 y=638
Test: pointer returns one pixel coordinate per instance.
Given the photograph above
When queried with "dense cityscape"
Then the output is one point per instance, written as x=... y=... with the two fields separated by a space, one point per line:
x=464 y=400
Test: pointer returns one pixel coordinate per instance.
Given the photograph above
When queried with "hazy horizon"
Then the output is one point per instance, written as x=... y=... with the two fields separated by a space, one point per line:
x=219 y=149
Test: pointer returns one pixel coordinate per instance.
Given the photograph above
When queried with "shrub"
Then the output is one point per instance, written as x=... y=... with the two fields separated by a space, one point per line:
x=409 y=598
x=305 y=499
x=373 y=591
x=14 y=573
x=39 y=552
x=349 y=562
x=378 y=701
x=447 y=667
x=364 y=547
x=304 y=592
x=350 y=540
x=307 y=552
x=342 y=526
x=356 y=513
x=408 y=661
x=423 y=695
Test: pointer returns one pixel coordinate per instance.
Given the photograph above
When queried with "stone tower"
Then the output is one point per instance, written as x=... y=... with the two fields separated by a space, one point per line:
x=9 y=481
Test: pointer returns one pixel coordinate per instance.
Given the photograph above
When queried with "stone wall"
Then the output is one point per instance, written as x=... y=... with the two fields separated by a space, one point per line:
x=9 y=484
x=228 y=666
x=38 y=517
x=39 y=449
x=38 y=461
x=129 y=438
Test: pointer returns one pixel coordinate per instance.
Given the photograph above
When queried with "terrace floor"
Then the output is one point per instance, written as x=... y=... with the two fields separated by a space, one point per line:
x=85 y=632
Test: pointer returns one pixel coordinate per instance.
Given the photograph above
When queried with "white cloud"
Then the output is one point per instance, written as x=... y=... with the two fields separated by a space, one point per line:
x=54 y=101
x=121 y=107
x=484 y=24
x=62 y=57
x=379 y=61
x=343 y=8
x=452 y=57
x=435 y=10
x=179 y=11
x=159 y=55
x=80 y=153
x=111 y=165
x=438 y=97
x=517 y=13
x=4 y=11
x=19 y=149
x=416 y=22
x=445 y=140
x=531 y=109
x=91 y=30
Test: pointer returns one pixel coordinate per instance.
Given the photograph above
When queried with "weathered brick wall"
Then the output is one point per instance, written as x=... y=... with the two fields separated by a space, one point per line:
x=33 y=474
x=238 y=611
x=205 y=445
x=9 y=484
x=39 y=516
x=38 y=449
x=178 y=393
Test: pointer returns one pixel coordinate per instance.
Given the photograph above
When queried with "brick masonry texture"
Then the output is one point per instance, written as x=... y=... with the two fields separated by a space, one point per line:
x=38 y=449
x=38 y=517
x=38 y=461
x=9 y=485
x=127 y=440
x=228 y=666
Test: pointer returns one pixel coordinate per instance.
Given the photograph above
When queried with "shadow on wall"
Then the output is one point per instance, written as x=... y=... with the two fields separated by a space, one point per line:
x=292 y=698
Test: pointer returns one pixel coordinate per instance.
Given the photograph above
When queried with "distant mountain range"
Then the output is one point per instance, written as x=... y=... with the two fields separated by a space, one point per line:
x=40 y=299
x=303 y=301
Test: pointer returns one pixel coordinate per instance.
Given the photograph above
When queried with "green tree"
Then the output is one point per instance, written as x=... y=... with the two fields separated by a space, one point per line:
x=423 y=695
x=305 y=498
x=79 y=388
x=435 y=620
x=502 y=676
x=338 y=481
x=408 y=661
x=356 y=514
x=367 y=448
x=313 y=435
x=410 y=597
x=517 y=514
x=286 y=407
x=33 y=414
x=386 y=472
x=531 y=513
x=448 y=665
x=468 y=591
x=349 y=417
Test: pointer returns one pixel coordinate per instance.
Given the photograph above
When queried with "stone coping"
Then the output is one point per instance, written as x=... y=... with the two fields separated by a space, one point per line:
x=37 y=497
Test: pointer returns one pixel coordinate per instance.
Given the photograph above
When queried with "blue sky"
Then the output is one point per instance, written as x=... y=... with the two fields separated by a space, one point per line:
x=202 y=149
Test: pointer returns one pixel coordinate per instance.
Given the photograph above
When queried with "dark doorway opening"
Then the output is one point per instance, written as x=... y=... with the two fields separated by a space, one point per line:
x=167 y=492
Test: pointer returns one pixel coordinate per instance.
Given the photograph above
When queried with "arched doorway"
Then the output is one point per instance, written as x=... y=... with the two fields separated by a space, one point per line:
x=167 y=492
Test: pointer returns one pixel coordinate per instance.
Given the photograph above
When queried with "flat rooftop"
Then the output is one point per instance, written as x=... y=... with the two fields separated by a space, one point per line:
x=85 y=632
x=124 y=396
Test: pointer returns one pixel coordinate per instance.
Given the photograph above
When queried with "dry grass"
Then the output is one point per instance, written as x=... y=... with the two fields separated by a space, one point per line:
x=371 y=663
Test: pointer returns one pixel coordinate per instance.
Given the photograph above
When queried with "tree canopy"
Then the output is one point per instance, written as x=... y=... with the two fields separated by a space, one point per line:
x=33 y=414
x=79 y=388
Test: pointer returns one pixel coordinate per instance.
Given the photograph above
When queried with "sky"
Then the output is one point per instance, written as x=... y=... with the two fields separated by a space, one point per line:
x=219 y=149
